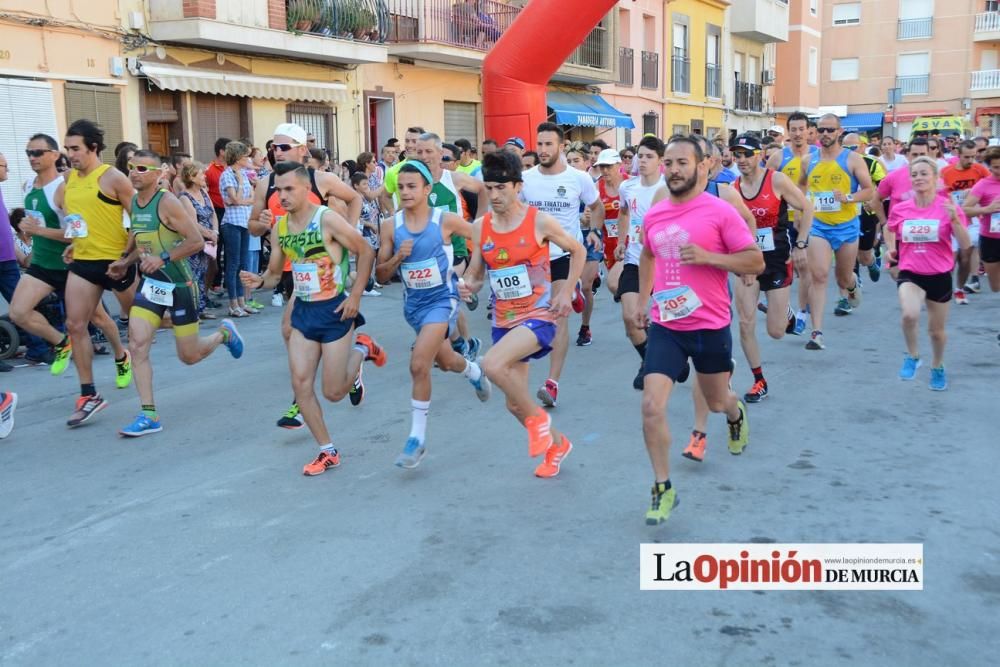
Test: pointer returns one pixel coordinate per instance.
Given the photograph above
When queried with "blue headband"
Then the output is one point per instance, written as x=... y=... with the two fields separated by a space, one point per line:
x=422 y=168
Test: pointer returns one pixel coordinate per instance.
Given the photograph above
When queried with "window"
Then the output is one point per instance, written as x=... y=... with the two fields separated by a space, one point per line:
x=915 y=9
x=713 y=71
x=216 y=116
x=814 y=7
x=26 y=107
x=844 y=69
x=680 y=65
x=912 y=73
x=680 y=40
x=651 y=123
x=461 y=121
x=100 y=104
x=847 y=14
x=813 y=65
x=317 y=119
x=679 y=129
x=992 y=6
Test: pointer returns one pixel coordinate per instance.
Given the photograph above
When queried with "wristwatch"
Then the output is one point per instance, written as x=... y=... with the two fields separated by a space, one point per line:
x=165 y=256
x=849 y=198
x=802 y=245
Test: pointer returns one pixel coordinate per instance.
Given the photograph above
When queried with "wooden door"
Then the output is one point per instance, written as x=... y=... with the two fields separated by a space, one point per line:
x=159 y=137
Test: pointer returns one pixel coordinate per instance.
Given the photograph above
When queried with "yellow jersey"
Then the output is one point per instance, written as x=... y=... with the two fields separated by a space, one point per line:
x=105 y=237
x=825 y=177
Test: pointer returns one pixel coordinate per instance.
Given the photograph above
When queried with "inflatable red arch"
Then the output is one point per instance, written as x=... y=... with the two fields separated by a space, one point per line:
x=517 y=70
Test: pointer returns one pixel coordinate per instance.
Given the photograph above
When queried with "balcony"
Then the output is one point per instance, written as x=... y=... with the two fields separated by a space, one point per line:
x=985 y=83
x=762 y=21
x=459 y=33
x=987 y=28
x=915 y=28
x=680 y=73
x=749 y=97
x=713 y=81
x=626 y=66
x=914 y=85
x=650 y=70
x=334 y=31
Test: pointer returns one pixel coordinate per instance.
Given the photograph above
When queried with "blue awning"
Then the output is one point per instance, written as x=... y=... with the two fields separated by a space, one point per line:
x=862 y=122
x=582 y=110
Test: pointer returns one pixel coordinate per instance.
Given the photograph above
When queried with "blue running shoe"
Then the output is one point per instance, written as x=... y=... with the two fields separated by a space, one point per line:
x=475 y=345
x=413 y=453
x=938 y=380
x=800 y=325
x=875 y=270
x=473 y=302
x=909 y=369
x=482 y=386
x=233 y=339
x=460 y=346
x=142 y=425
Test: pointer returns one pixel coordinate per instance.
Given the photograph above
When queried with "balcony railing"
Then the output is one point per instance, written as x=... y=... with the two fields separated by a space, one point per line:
x=470 y=25
x=650 y=70
x=749 y=96
x=713 y=81
x=594 y=52
x=988 y=22
x=366 y=20
x=988 y=79
x=626 y=66
x=914 y=85
x=915 y=28
x=680 y=69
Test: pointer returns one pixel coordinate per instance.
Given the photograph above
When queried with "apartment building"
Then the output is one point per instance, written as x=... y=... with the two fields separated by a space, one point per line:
x=912 y=65
x=797 y=82
x=755 y=27
x=695 y=93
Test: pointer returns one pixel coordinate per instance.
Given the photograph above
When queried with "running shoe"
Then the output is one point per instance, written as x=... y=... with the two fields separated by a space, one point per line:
x=256 y=305
x=790 y=328
x=973 y=285
x=86 y=408
x=596 y=285
x=938 y=381
x=909 y=369
x=277 y=301
x=843 y=307
x=875 y=269
x=292 y=419
x=685 y=373
x=482 y=386
x=473 y=302
x=960 y=298
x=8 y=403
x=696 y=447
x=63 y=353
x=548 y=393
x=322 y=463
x=123 y=371
x=816 y=341
x=854 y=296
x=640 y=378
x=762 y=307
x=231 y=338
x=578 y=300
x=539 y=436
x=757 y=393
x=371 y=292
x=412 y=454
x=584 y=338
x=982 y=270
x=664 y=500
x=800 y=325
x=143 y=425
x=554 y=457
x=375 y=352
x=475 y=346
x=459 y=345
x=739 y=433
x=357 y=393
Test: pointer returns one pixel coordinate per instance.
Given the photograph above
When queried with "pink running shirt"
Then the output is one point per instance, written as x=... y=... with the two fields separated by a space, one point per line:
x=924 y=237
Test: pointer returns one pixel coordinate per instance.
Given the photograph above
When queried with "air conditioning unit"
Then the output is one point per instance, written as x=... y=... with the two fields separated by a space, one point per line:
x=767 y=77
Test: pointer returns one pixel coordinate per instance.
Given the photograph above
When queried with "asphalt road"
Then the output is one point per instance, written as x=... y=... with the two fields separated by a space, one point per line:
x=205 y=545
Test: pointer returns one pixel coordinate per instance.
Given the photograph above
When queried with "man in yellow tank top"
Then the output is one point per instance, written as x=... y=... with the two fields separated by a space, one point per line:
x=838 y=181
x=94 y=197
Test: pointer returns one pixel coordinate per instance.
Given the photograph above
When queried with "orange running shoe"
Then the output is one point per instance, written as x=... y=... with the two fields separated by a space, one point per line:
x=375 y=352
x=696 y=447
x=322 y=463
x=539 y=436
x=554 y=456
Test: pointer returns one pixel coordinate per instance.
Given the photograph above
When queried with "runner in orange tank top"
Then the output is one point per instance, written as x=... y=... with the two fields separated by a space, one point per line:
x=512 y=244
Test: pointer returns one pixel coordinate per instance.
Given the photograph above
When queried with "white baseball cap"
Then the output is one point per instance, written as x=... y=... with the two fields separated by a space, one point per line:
x=608 y=156
x=777 y=128
x=294 y=132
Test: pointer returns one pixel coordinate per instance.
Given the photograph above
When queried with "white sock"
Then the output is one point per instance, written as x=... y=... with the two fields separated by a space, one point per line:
x=802 y=315
x=419 y=411
x=472 y=371
x=328 y=448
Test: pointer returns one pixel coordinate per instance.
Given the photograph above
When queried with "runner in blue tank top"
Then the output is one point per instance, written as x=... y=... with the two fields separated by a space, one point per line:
x=418 y=246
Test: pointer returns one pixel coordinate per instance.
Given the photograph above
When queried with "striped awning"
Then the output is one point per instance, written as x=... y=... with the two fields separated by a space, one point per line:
x=195 y=80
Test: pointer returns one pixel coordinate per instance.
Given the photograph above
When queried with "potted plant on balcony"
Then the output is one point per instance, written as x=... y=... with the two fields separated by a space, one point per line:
x=367 y=25
x=302 y=15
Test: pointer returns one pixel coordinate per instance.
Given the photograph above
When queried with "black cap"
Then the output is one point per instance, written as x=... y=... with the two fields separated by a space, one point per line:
x=746 y=142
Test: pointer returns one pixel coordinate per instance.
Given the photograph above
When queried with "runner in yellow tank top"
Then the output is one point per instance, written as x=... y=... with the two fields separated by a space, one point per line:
x=93 y=200
x=838 y=181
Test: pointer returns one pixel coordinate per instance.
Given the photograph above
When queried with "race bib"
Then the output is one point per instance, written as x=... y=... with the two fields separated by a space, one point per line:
x=995 y=223
x=826 y=202
x=635 y=233
x=765 y=239
x=36 y=217
x=76 y=227
x=510 y=283
x=305 y=277
x=421 y=275
x=676 y=303
x=160 y=293
x=921 y=231
x=958 y=196
x=611 y=230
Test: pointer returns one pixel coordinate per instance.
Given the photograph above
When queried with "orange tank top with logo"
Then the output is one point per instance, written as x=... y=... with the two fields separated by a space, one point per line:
x=518 y=271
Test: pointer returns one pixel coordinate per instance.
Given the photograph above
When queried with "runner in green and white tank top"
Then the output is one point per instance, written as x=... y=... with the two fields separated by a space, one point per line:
x=40 y=204
x=444 y=197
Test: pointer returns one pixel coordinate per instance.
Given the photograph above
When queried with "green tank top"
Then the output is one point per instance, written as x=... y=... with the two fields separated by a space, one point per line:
x=444 y=196
x=152 y=237
x=40 y=203
x=315 y=276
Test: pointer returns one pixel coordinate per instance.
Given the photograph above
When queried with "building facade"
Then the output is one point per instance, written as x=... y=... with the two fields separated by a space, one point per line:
x=756 y=28
x=797 y=80
x=697 y=82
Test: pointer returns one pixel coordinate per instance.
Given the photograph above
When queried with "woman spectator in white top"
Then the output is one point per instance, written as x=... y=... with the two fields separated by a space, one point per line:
x=237 y=193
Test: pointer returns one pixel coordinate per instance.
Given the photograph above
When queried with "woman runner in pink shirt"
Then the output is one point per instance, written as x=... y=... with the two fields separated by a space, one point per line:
x=920 y=232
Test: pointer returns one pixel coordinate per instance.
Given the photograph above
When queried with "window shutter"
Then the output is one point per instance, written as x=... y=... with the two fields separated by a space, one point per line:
x=461 y=122
x=100 y=104
x=215 y=116
x=26 y=108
